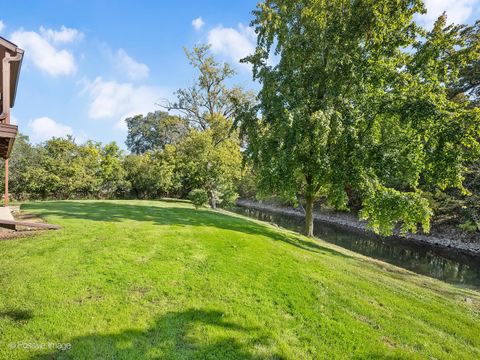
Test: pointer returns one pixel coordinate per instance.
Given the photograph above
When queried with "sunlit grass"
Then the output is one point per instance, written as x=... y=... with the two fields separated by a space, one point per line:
x=149 y=280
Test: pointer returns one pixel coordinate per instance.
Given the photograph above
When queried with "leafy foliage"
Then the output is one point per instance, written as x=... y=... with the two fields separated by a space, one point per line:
x=346 y=109
x=202 y=164
x=61 y=169
x=209 y=154
x=198 y=197
x=154 y=131
x=150 y=175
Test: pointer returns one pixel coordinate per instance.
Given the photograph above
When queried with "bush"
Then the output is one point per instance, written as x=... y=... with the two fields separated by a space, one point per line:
x=470 y=226
x=198 y=197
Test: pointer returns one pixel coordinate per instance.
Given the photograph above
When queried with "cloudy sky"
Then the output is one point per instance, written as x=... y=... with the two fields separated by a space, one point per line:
x=91 y=63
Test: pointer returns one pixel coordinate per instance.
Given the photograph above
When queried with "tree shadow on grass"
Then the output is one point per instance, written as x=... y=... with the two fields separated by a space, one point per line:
x=17 y=315
x=176 y=335
x=171 y=215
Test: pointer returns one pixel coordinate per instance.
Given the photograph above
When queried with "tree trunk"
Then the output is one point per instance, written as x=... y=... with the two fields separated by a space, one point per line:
x=309 y=215
x=213 y=200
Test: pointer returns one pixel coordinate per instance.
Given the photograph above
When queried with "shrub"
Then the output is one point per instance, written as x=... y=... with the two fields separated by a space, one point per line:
x=470 y=226
x=198 y=197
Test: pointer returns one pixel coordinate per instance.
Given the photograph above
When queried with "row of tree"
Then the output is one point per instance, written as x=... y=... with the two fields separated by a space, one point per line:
x=197 y=148
x=62 y=169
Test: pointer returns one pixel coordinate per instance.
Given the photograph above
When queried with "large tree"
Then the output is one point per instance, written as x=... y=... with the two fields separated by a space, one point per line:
x=346 y=110
x=209 y=155
x=209 y=98
x=151 y=175
x=205 y=164
x=154 y=131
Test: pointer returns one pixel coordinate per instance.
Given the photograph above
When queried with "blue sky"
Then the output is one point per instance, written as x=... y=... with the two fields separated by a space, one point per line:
x=90 y=63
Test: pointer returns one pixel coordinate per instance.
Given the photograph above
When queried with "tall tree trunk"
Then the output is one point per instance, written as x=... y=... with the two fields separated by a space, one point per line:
x=309 y=215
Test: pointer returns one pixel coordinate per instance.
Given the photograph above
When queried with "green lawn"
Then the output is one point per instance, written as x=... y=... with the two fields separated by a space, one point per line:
x=160 y=280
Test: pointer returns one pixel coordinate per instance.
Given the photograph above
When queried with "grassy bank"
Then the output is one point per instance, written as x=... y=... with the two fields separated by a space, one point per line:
x=149 y=280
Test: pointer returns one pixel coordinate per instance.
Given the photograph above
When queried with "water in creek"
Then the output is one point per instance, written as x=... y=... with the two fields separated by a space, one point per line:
x=443 y=264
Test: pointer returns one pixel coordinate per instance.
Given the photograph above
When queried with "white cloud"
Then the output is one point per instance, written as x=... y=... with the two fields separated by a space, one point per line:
x=130 y=66
x=44 y=128
x=44 y=55
x=64 y=35
x=114 y=100
x=458 y=11
x=2 y=26
x=13 y=120
x=234 y=44
x=81 y=137
x=198 y=23
x=121 y=123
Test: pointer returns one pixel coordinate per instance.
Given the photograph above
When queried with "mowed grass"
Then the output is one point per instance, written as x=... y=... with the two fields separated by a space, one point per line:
x=161 y=280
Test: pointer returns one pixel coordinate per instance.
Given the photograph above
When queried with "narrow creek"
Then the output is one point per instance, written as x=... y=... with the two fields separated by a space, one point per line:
x=444 y=264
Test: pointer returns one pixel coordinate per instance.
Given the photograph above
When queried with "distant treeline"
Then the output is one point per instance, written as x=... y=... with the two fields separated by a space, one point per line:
x=61 y=169
x=198 y=148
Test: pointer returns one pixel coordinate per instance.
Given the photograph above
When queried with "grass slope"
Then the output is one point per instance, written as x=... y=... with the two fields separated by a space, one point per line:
x=160 y=280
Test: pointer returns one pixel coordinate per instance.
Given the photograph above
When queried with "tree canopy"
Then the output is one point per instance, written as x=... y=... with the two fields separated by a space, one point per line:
x=154 y=131
x=357 y=103
x=209 y=156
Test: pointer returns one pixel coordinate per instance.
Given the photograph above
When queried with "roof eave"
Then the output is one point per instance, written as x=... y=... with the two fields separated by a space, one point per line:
x=8 y=45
